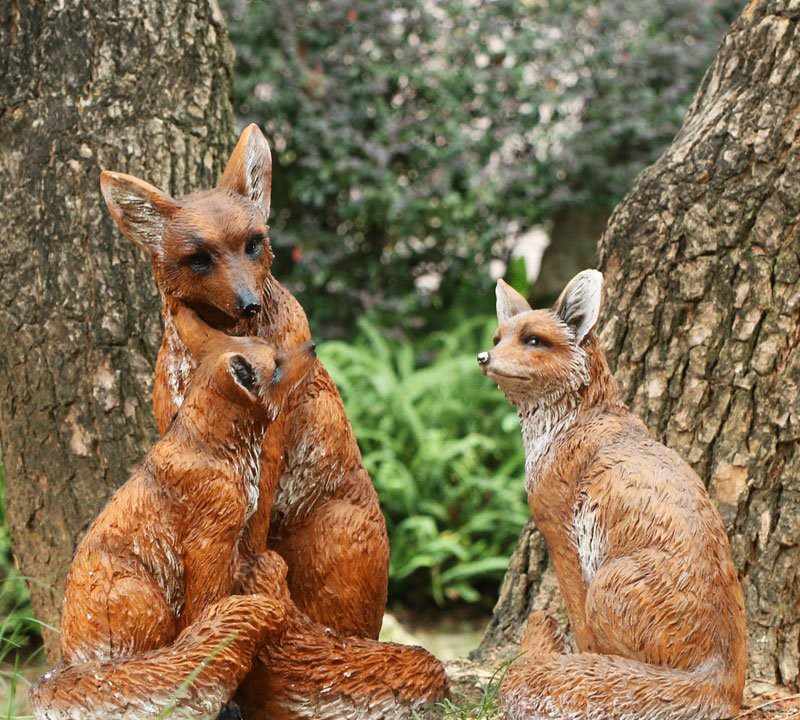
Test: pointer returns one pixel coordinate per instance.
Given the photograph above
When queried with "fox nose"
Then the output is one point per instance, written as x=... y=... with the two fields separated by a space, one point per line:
x=247 y=307
x=483 y=358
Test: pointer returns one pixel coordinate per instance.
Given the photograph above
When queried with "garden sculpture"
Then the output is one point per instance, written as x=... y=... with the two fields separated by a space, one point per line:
x=148 y=596
x=311 y=672
x=639 y=549
x=210 y=251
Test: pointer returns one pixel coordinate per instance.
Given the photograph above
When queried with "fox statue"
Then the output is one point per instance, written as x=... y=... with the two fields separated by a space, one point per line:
x=639 y=549
x=317 y=507
x=149 y=620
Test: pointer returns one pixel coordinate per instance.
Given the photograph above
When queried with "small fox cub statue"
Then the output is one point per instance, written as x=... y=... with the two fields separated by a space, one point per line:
x=210 y=252
x=148 y=596
x=308 y=671
x=640 y=551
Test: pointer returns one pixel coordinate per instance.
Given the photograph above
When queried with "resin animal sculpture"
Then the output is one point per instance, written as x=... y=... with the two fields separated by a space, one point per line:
x=639 y=549
x=210 y=252
x=148 y=619
x=309 y=671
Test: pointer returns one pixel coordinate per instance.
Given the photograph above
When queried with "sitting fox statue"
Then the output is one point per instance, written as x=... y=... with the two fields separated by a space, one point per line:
x=639 y=549
x=210 y=251
x=148 y=618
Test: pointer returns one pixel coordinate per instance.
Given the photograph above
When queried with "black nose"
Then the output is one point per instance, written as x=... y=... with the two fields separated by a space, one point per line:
x=483 y=358
x=247 y=309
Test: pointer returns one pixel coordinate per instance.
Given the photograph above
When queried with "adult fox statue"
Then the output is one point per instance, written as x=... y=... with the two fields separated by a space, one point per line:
x=210 y=251
x=148 y=614
x=639 y=549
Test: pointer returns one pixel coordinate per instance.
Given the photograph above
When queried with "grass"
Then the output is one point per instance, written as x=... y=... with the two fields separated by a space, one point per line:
x=486 y=707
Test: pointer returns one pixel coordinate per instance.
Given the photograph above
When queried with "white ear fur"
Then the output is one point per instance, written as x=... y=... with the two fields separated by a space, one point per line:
x=249 y=169
x=509 y=302
x=138 y=208
x=579 y=303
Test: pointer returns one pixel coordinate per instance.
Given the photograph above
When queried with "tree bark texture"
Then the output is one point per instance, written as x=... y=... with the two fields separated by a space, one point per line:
x=141 y=87
x=702 y=324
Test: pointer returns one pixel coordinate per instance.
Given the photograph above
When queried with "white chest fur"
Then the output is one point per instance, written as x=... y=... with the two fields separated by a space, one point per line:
x=589 y=537
x=543 y=428
x=180 y=363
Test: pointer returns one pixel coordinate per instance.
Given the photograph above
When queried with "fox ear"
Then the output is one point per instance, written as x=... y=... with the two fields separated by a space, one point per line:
x=242 y=373
x=579 y=303
x=199 y=337
x=138 y=208
x=509 y=301
x=249 y=169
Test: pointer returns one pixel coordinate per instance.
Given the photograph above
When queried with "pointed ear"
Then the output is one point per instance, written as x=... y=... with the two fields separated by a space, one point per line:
x=138 y=208
x=249 y=169
x=199 y=337
x=509 y=301
x=244 y=376
x=579 y=303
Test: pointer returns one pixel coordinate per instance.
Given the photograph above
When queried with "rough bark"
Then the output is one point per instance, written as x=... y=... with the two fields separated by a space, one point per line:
x=702 y=321
x=142 y=87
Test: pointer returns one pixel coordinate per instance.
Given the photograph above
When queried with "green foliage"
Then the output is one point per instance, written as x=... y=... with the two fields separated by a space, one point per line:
x=487 y=707
x=15 y=607
x=414 y=139
x=443 y=448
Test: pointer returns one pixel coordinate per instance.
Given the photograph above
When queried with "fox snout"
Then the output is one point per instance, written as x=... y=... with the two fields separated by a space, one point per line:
x=292 y=365
x=247 y=304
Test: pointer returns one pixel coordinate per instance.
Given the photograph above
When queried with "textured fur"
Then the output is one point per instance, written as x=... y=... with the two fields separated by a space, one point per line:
x=311 y=672
x=639 y=549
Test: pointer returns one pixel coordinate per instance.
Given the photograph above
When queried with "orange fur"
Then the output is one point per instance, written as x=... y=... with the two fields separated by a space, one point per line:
x=310 y=671
x=639 y=549
x=147 y=598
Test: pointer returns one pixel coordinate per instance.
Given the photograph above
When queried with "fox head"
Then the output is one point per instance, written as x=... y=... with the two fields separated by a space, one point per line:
x=246 y=371
x=210 y=249
x=539 y=355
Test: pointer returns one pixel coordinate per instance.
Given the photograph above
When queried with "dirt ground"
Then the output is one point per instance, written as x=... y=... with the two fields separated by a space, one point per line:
x=776 y=706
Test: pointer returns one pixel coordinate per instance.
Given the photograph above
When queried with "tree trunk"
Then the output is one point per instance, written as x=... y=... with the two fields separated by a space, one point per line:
x=702 y=321
x=141 y=87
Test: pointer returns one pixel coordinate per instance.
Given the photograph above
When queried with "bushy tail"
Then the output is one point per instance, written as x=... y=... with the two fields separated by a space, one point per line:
x=310 y=672
x=194 y=677
x=545 y=683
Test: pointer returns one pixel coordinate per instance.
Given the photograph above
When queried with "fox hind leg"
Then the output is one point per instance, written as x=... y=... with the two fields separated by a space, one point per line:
x=543 y=636
x=338 y=563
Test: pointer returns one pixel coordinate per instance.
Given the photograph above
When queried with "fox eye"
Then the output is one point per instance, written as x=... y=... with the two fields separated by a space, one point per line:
x=254 y=246
x=200 y=262
x=532 y=341
x=495 y=340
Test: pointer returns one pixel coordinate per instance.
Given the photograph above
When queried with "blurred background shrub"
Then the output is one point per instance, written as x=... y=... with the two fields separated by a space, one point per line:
x=416 y=140
x=442 y=446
